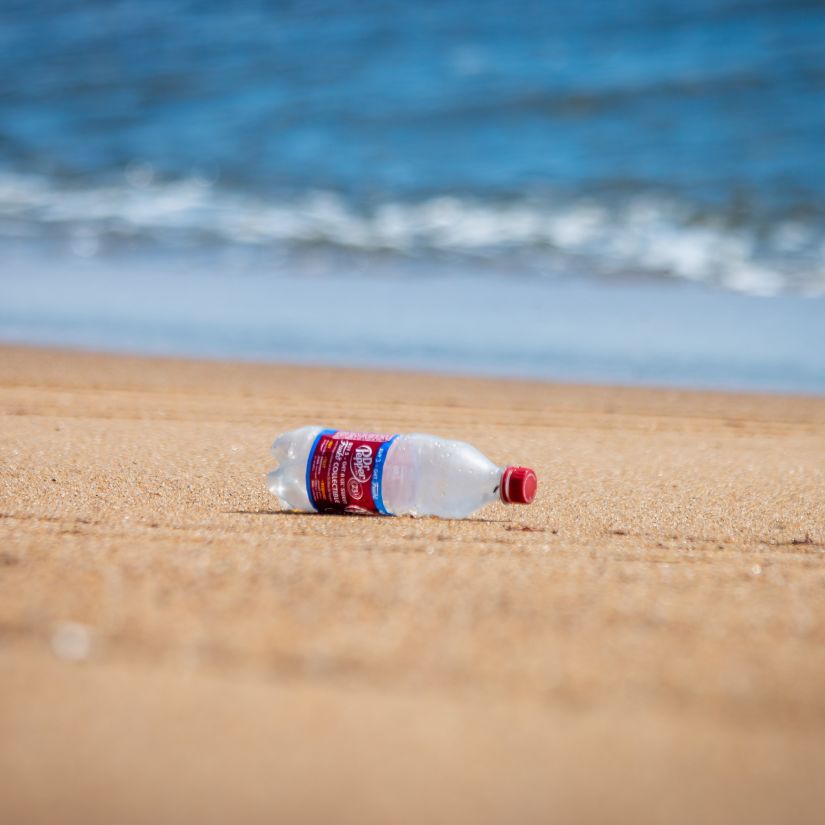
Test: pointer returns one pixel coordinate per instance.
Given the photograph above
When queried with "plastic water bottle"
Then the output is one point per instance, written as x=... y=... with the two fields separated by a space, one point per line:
x=336 y=471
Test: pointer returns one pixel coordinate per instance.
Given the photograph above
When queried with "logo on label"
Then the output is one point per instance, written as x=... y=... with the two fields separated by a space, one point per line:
x=361 y=462
x=355 y=490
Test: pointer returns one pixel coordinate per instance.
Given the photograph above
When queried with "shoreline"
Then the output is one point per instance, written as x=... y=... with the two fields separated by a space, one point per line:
x=637 y=332
x=173 y=647
x=446 y=373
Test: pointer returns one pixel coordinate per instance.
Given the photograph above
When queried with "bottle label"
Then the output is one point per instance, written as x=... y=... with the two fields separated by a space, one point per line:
x=345 y=470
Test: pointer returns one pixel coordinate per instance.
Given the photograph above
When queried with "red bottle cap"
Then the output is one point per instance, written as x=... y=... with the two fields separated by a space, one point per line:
x=518 y=485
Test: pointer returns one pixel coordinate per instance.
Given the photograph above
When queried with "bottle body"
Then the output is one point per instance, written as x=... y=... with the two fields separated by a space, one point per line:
x=426 y=475
x=414 y=474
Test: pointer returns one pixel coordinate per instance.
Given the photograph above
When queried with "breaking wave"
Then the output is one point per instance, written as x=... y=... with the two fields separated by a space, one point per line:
x=638 y=236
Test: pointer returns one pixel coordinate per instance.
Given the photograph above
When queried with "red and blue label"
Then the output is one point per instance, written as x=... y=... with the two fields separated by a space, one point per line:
x=345 y=472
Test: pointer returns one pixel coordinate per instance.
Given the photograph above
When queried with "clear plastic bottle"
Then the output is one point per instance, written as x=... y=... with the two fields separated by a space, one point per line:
x=337 y=471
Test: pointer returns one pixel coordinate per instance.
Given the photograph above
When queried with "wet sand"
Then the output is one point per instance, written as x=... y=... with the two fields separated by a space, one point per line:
x=644 y=644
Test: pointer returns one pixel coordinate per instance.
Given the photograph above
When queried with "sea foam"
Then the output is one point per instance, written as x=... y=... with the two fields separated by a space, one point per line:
x=640 y=236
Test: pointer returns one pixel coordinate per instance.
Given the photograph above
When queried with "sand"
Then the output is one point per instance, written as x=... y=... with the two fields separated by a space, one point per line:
x=646 y=643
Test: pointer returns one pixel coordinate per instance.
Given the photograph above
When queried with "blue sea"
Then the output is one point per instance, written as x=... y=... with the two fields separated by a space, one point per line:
x=615 y=192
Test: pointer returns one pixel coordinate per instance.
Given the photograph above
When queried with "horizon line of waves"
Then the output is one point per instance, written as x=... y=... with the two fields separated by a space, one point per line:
x=640 y=235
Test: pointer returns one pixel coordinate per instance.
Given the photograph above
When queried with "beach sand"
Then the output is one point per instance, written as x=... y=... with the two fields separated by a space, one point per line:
x=646 y=643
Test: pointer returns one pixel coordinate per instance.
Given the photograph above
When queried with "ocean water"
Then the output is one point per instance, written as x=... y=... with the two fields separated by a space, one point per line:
x=648 y=179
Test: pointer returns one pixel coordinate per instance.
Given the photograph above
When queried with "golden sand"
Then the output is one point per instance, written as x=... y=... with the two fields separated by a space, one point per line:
x=646 y=643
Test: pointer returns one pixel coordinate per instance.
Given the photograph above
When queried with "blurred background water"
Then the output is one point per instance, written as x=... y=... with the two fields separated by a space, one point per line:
x=609 y=163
